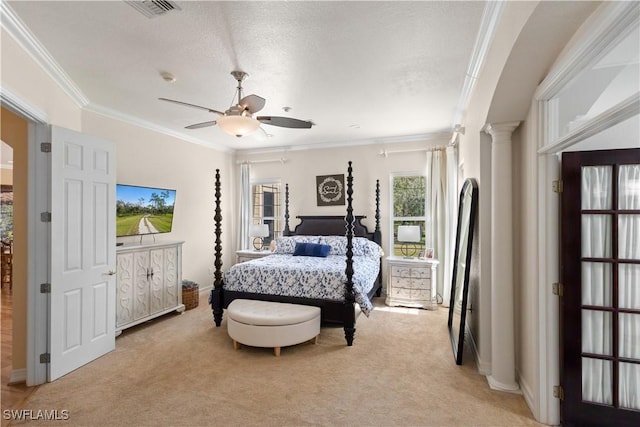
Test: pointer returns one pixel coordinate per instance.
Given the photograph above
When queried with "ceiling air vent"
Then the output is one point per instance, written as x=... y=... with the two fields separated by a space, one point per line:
x=153 y=8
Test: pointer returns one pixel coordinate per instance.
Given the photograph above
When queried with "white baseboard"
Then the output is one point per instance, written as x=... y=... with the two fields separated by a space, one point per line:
x=484 y=368
x=18 y=376
x=525 y=388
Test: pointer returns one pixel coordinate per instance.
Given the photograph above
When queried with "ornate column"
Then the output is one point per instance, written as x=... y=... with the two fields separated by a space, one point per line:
x=503 y=369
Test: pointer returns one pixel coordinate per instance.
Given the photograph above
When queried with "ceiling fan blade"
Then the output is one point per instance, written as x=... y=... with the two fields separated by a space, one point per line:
x=211 y=110
x=252 y=103
x=201 y=125
x=285 y=122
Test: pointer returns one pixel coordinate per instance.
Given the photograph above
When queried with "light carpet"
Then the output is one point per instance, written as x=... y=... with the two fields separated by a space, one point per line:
x=180 y=370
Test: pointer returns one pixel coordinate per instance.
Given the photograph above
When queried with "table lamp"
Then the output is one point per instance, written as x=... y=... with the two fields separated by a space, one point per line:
x=408 y=234
x=258 y=232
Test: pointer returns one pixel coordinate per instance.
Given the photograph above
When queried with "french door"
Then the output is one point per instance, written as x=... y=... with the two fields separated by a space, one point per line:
x=600 y=308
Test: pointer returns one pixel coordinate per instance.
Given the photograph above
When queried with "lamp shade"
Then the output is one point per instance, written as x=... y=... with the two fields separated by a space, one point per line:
x=259 y=230
x=238 y=125
x=408 y=233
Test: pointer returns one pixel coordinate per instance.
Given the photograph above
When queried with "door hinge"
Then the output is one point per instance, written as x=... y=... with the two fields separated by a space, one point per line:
x=45 y=216
x=558 y=289
x=557 y=186
x=45 y=147
x=45 y=288
x=45 y=358
x=558 y=392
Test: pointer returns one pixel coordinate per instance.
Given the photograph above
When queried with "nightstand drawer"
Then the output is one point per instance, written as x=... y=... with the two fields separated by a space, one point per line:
x=417 y=272
x=248 y=255
x=406 y=282
x=411 y=294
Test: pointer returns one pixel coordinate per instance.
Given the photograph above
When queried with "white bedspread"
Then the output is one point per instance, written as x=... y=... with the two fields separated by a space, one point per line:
x=304 y=276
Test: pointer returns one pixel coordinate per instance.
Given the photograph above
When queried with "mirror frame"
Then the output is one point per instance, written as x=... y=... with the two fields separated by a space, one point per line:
x=457 y=341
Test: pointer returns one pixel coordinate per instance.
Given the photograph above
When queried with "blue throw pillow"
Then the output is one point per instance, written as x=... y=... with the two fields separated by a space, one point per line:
x=311 y=249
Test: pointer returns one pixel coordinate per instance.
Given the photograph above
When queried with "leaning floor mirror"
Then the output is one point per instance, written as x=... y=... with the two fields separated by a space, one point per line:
x=461 y=266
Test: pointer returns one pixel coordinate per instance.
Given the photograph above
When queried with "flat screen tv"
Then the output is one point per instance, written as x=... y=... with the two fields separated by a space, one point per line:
x=143 y=210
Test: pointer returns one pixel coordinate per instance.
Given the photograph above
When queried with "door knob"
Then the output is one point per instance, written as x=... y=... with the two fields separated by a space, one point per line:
x=111 y=273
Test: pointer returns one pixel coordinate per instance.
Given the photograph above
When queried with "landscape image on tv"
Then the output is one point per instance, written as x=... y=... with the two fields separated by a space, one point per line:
x=143 y=210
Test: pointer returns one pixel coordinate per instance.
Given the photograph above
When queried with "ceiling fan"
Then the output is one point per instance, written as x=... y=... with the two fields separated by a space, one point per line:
x=238 y=119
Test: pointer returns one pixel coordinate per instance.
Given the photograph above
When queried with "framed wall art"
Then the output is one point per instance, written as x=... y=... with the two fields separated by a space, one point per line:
x=330 y=190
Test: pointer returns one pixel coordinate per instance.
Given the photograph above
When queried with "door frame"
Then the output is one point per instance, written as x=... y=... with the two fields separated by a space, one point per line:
x=39 y=250
x=37 y=304
x=608 y=23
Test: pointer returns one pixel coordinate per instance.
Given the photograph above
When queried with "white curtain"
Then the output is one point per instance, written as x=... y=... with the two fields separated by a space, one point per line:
x=439 y=209
x=597 y=284
x=451 y=222
x=628 y=280
x=245 y=206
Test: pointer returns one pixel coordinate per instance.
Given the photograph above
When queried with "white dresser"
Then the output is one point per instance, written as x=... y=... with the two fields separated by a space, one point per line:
x=411 y=282
x=149 y=282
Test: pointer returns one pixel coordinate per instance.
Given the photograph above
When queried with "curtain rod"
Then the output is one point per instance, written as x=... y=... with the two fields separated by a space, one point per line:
x=386 y=153
x=250 y=162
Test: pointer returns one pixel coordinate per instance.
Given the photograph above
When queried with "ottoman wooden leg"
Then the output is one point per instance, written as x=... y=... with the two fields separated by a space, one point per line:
x=276 y=351
x=236 y=345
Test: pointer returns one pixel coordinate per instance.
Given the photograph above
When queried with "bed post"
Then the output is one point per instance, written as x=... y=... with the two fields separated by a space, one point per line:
x=216 y=293
x=349 y=297
x=377 y=235
x=286 y=231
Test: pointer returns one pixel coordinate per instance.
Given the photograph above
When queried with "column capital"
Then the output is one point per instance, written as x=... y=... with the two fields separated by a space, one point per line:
x=500 y=131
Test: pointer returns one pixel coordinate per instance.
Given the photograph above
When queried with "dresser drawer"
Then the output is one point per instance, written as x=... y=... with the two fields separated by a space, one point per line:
x=421 y=294
x=402 y=293
x=415 y=272
x=421 y=273
x=411 y=297
x=408 y=282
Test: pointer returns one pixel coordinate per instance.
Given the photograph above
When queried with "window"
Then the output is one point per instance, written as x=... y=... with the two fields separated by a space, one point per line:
x=408 y=194
x=267 y=209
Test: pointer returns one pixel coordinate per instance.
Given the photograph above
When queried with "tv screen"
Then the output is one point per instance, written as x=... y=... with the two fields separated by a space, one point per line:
x=143 y=210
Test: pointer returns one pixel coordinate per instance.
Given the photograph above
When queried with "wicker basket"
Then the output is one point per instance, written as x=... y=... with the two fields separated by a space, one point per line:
x=190 y=296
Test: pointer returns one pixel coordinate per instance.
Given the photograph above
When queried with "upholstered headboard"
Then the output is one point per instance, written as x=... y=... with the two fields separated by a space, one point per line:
x=324 y=225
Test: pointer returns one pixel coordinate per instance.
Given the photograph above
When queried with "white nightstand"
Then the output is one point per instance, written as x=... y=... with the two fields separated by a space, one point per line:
x=249 y=254
x=412 y=282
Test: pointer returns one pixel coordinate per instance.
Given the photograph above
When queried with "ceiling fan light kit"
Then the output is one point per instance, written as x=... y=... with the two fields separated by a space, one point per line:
x=238 y=125
x=238 y=120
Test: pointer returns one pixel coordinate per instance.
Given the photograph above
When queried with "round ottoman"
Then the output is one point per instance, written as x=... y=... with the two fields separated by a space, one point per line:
x=271 y=324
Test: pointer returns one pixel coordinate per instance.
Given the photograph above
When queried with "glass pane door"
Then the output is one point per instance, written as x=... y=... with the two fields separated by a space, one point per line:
x=601 y=274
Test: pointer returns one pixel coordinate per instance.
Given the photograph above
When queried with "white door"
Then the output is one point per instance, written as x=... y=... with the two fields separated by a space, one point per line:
x=83 y=256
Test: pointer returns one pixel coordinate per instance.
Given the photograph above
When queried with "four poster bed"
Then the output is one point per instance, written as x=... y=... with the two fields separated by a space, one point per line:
x=340 y=272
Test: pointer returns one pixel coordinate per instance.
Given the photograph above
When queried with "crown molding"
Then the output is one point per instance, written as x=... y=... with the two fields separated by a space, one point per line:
x=21 y=34
x=486 y=32
x=439 y=137
x=116 y=115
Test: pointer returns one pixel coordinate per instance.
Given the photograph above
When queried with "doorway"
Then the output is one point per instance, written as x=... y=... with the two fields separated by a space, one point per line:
x=14 y=184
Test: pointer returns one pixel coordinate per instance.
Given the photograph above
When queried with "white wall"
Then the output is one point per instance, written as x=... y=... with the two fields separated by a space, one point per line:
x=303 y=166
x=150 y=159
x=475 y=153
x=25 y=79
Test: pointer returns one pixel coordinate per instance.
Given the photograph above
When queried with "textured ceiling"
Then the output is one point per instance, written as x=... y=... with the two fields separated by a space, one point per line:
x=361 y=71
